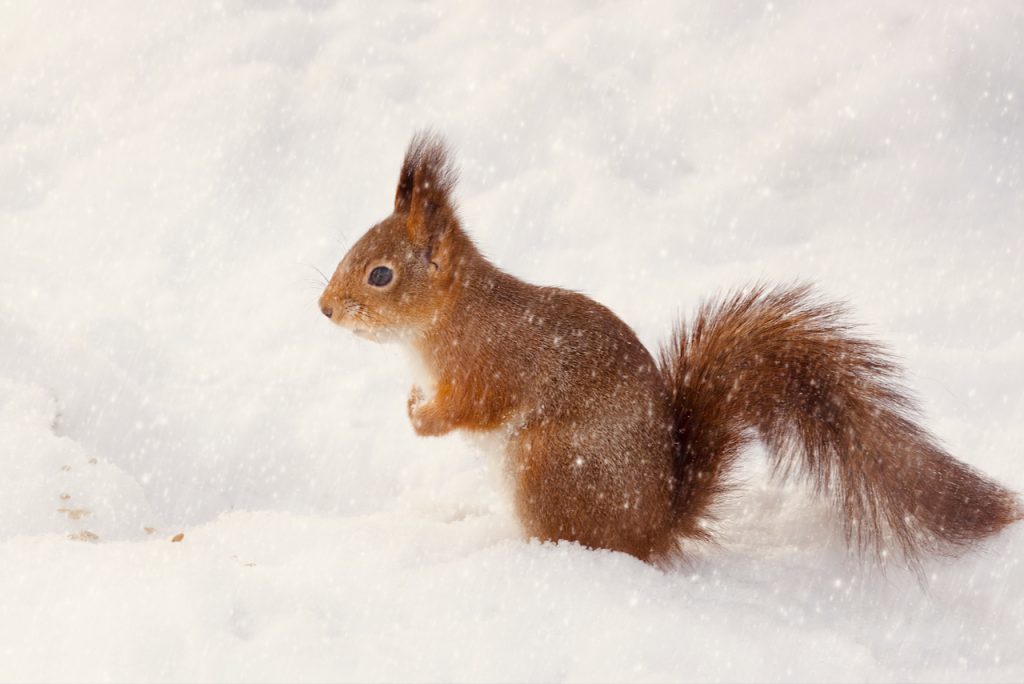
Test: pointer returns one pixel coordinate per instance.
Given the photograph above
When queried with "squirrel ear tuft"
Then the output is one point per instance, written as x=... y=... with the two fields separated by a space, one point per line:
x=425 y=186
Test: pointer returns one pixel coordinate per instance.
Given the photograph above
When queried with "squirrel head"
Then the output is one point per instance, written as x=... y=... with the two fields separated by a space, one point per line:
x=399 y=275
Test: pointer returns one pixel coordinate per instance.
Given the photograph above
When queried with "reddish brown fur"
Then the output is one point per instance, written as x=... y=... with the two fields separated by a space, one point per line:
x=609 y=449
x=826 y=403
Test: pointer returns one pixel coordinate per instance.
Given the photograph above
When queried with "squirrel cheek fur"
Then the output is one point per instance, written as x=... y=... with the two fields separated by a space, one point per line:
x=613 y=449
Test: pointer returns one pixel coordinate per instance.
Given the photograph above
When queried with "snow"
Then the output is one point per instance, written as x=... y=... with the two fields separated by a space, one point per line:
x=172 y=174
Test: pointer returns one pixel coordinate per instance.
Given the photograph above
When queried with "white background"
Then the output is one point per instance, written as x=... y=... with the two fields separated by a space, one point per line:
x=171 y=174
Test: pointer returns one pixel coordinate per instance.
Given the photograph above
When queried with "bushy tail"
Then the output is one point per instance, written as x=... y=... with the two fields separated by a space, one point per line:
x=782 y=366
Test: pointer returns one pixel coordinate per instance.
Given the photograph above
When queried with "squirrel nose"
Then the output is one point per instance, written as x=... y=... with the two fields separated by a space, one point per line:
x=327 y=311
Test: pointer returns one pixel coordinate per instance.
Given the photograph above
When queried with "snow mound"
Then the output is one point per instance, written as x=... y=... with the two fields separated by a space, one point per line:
x=53 y=484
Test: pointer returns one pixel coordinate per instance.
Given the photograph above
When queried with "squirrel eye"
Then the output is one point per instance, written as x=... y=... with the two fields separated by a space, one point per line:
x=380 y=276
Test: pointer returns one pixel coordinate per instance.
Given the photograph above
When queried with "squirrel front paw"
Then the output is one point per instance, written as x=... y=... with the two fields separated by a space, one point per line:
x=416 y=399
x=423 y=414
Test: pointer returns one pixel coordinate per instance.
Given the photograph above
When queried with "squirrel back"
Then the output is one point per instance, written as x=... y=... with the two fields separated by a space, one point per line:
x=614 y=450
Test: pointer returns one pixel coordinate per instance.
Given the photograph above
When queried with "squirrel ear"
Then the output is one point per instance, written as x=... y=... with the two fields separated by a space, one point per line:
x=424 y=190
x=406 y=178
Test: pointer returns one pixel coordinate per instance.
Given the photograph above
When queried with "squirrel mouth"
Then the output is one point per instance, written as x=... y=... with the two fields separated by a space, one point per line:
x=368 y=334
x=380 y=335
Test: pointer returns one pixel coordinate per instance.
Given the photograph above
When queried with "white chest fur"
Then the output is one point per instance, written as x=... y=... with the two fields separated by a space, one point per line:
x=422 y=375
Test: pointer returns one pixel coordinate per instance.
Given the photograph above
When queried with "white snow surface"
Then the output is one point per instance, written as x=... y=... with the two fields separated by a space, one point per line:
x=172 y=173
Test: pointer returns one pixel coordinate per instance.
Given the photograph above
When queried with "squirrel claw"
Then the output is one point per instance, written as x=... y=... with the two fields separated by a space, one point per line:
x=416 y=399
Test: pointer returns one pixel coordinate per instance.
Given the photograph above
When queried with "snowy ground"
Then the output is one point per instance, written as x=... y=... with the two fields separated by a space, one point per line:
x=171 y=174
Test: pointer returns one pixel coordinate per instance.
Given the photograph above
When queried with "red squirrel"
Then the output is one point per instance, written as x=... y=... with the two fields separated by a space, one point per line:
x=612 y=449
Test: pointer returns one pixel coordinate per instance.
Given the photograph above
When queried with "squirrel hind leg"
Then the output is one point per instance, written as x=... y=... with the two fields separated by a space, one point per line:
x=590 y=491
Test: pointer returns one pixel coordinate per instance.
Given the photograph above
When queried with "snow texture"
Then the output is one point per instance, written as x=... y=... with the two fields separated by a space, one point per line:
x=172 y=174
